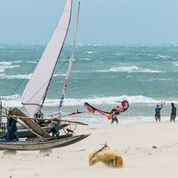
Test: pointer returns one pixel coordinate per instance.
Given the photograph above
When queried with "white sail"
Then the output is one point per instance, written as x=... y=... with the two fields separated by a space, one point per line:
x=36 y=89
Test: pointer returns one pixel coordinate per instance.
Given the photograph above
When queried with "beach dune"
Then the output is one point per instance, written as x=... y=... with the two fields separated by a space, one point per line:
x=148 y=150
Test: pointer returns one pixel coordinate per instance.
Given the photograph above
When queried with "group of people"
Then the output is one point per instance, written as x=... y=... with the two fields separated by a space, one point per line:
x=117 y=110
x=12 y=128
x=158 y=112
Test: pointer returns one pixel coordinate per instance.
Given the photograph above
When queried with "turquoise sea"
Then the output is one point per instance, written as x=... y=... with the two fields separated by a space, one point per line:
x=102 y=75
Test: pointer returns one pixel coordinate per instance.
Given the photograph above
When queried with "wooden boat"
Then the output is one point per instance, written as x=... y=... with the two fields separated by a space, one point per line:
x=36 y=91
x=43 y=144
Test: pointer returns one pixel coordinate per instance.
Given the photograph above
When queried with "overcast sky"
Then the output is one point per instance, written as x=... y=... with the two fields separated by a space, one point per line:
x=101 y=21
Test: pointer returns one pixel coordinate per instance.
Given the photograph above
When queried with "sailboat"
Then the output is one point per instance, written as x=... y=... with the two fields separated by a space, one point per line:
x=36 y=90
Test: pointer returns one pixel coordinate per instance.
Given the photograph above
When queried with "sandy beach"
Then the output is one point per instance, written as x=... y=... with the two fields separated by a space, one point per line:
x=148 y=150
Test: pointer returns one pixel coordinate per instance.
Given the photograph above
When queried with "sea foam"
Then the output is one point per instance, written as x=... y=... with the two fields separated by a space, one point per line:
x=139 y=99
x=15 y=101
x=20 y=76
x=8 y=65
x=129 y=69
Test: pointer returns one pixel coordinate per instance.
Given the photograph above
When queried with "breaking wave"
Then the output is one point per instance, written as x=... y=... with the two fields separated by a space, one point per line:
x=8 y=65
x=23 y=76
x=90 y=52
x=20 y=76
x=130 y=69
x=11 y=100
x=32 y=62
x=14 y=100
x=139 y=99
x=162 y=57
x=175 y=64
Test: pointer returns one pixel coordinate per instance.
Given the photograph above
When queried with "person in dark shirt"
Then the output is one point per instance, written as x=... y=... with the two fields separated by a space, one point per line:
x=11 y=134
x=118 y=110
x=173 y=113
x=158 y=111
x=115 y=111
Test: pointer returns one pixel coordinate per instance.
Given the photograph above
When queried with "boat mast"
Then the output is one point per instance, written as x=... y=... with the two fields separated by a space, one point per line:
x=70 y=61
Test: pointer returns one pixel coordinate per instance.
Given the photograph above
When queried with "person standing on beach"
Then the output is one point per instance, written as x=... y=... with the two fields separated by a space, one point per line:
x=115 y=111
x=112 y=115
x=158 y=111
x=173 y=113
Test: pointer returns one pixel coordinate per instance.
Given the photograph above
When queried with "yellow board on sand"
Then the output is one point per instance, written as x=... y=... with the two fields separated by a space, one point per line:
x=107 y=156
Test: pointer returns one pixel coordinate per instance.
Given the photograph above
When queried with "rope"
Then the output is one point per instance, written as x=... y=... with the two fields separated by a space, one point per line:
x=21 y=82
x=105 y=146
x=47 y=81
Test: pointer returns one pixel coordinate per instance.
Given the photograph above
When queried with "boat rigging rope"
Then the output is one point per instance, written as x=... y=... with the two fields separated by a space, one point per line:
x=21 y=82
x=73 y=128
x=46 y=81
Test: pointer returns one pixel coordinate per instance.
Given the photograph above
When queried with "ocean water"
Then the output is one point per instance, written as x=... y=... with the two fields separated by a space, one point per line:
x=101 y=75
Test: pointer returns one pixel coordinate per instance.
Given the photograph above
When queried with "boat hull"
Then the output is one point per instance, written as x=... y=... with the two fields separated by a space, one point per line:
x=41 y=145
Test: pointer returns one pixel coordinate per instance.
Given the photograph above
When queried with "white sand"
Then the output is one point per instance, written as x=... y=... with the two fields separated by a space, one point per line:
x=133 y=141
